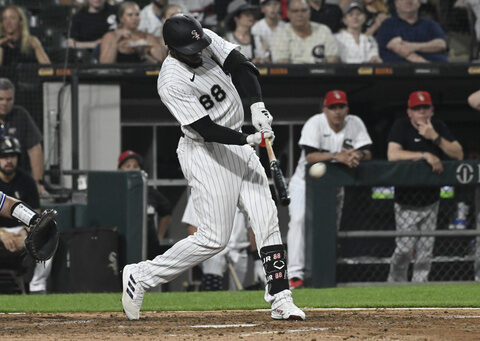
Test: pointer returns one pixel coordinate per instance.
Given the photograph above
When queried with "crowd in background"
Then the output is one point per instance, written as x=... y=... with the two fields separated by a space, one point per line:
x=277 y=31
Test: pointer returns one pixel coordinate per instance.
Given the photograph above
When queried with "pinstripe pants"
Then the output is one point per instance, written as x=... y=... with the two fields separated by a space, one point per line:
x=222 y=178
x=413 y=219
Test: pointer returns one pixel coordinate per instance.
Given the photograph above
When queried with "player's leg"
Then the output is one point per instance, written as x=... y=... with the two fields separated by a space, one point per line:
x=256 y=200
x=424 y=245
x=296 y=233
x=38 y=284
x=405 y=220
x=215 y=187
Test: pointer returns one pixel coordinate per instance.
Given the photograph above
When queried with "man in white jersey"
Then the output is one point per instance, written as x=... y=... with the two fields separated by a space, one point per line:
x=198 y=83
x=269 y=25
x=332 y=136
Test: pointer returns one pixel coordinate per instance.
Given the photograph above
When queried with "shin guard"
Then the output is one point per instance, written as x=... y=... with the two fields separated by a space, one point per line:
x=275 y=265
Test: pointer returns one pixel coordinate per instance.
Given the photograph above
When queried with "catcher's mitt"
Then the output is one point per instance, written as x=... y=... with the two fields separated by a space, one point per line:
x=42 y=237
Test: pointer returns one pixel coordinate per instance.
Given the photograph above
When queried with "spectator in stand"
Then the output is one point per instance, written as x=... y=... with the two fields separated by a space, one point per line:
x=475 y=7
x=90 y=23
x=16 y=43
x=171 y=10
x=157 y=204
x=204 y=11
x=17 y=122
x=327 y=14
x=376 y=12
x=151 y=17
x=265 y=28
x=353 y=45
x=19 y=185
x=407 y=37
x=239 y=22
x=418 y=137
x=302 y=41
x=474 y=100
x=127 y=44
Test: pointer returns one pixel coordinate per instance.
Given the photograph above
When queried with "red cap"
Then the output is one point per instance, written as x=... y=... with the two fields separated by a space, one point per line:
x=419 y=98
x=334 y=97
x=129 y=154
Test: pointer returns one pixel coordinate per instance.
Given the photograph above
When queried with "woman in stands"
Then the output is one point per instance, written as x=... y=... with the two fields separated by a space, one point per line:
x=127 y=44
x=376 y=12
x=16 y=43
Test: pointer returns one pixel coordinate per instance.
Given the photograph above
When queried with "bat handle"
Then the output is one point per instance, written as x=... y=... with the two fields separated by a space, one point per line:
x=271 y=154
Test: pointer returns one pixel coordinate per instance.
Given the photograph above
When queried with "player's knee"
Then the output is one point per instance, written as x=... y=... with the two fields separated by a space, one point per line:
x=215 y=243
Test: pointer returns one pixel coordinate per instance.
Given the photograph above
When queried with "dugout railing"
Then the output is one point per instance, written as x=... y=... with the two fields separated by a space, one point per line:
x=356 y=248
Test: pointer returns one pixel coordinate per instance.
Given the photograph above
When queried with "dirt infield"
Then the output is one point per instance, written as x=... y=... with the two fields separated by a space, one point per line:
x=321 y=324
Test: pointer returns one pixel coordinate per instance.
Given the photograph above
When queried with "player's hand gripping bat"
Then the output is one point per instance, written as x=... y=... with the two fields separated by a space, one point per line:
x=277 y=176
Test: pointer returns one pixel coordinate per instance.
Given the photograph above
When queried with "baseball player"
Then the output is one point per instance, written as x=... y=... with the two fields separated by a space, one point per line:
x=332 y=136
x=198 y=83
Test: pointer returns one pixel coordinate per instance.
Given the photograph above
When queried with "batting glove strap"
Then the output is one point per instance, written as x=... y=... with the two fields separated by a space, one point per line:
x=275 y=264
x=261 y=117
x=258 y=139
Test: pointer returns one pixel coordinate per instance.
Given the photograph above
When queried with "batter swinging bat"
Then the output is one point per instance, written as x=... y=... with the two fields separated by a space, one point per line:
x=277 y=176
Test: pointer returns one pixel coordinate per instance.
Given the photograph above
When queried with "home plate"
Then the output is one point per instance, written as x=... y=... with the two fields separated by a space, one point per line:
x=225 y=325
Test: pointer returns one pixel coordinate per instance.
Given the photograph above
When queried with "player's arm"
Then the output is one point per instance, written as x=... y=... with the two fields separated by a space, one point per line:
x=315 y=155
x=212 y=132
x=16 y=209
x=244 y=76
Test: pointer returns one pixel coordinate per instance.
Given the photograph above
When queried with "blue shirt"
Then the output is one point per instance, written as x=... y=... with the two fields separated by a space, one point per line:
x=421 y=31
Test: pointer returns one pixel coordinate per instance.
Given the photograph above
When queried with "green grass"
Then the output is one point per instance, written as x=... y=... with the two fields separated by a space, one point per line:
x=431 y=295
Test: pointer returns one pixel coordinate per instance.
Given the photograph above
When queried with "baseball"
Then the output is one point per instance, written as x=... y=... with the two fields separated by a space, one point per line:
x=318 y=170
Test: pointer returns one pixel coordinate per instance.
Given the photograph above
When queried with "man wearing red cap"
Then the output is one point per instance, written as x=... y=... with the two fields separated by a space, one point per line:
x=418 y=137
x=332 y=136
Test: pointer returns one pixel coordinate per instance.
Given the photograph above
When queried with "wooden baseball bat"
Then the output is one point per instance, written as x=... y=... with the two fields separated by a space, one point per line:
x=278 y=179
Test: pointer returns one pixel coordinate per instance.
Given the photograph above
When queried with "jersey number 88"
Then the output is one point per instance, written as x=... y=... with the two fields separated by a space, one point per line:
x=217 y=93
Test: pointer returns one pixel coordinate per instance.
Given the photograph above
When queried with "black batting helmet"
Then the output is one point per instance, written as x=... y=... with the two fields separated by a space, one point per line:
x=9 y=145
x=185 y=34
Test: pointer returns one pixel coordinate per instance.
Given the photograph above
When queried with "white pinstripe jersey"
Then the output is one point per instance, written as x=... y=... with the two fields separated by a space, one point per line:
x=192 y=93
x=316 y=133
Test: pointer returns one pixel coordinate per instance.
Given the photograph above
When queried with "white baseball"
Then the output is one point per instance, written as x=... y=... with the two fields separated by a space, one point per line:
x=318 y=170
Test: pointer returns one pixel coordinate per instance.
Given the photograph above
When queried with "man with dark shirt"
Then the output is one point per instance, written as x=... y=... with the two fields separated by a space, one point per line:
x=17 y=122
x=418 y=137
x=407 y=37
x=18 y=184
x=89 y=25
x=327 y=14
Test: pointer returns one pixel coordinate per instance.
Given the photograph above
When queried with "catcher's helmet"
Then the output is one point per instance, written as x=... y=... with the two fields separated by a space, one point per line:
x=185 y=34
x=9 y=145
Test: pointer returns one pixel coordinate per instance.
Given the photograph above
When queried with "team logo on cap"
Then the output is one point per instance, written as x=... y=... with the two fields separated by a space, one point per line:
x=337 y=95
x=195 y=35
x=421 y=97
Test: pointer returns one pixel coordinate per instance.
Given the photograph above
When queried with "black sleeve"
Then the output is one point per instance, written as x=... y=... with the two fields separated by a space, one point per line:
x=309 y=149
x=443 y=130
x=212 y=132
x=365 y=147
x=244 y=76
x=396 y=133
